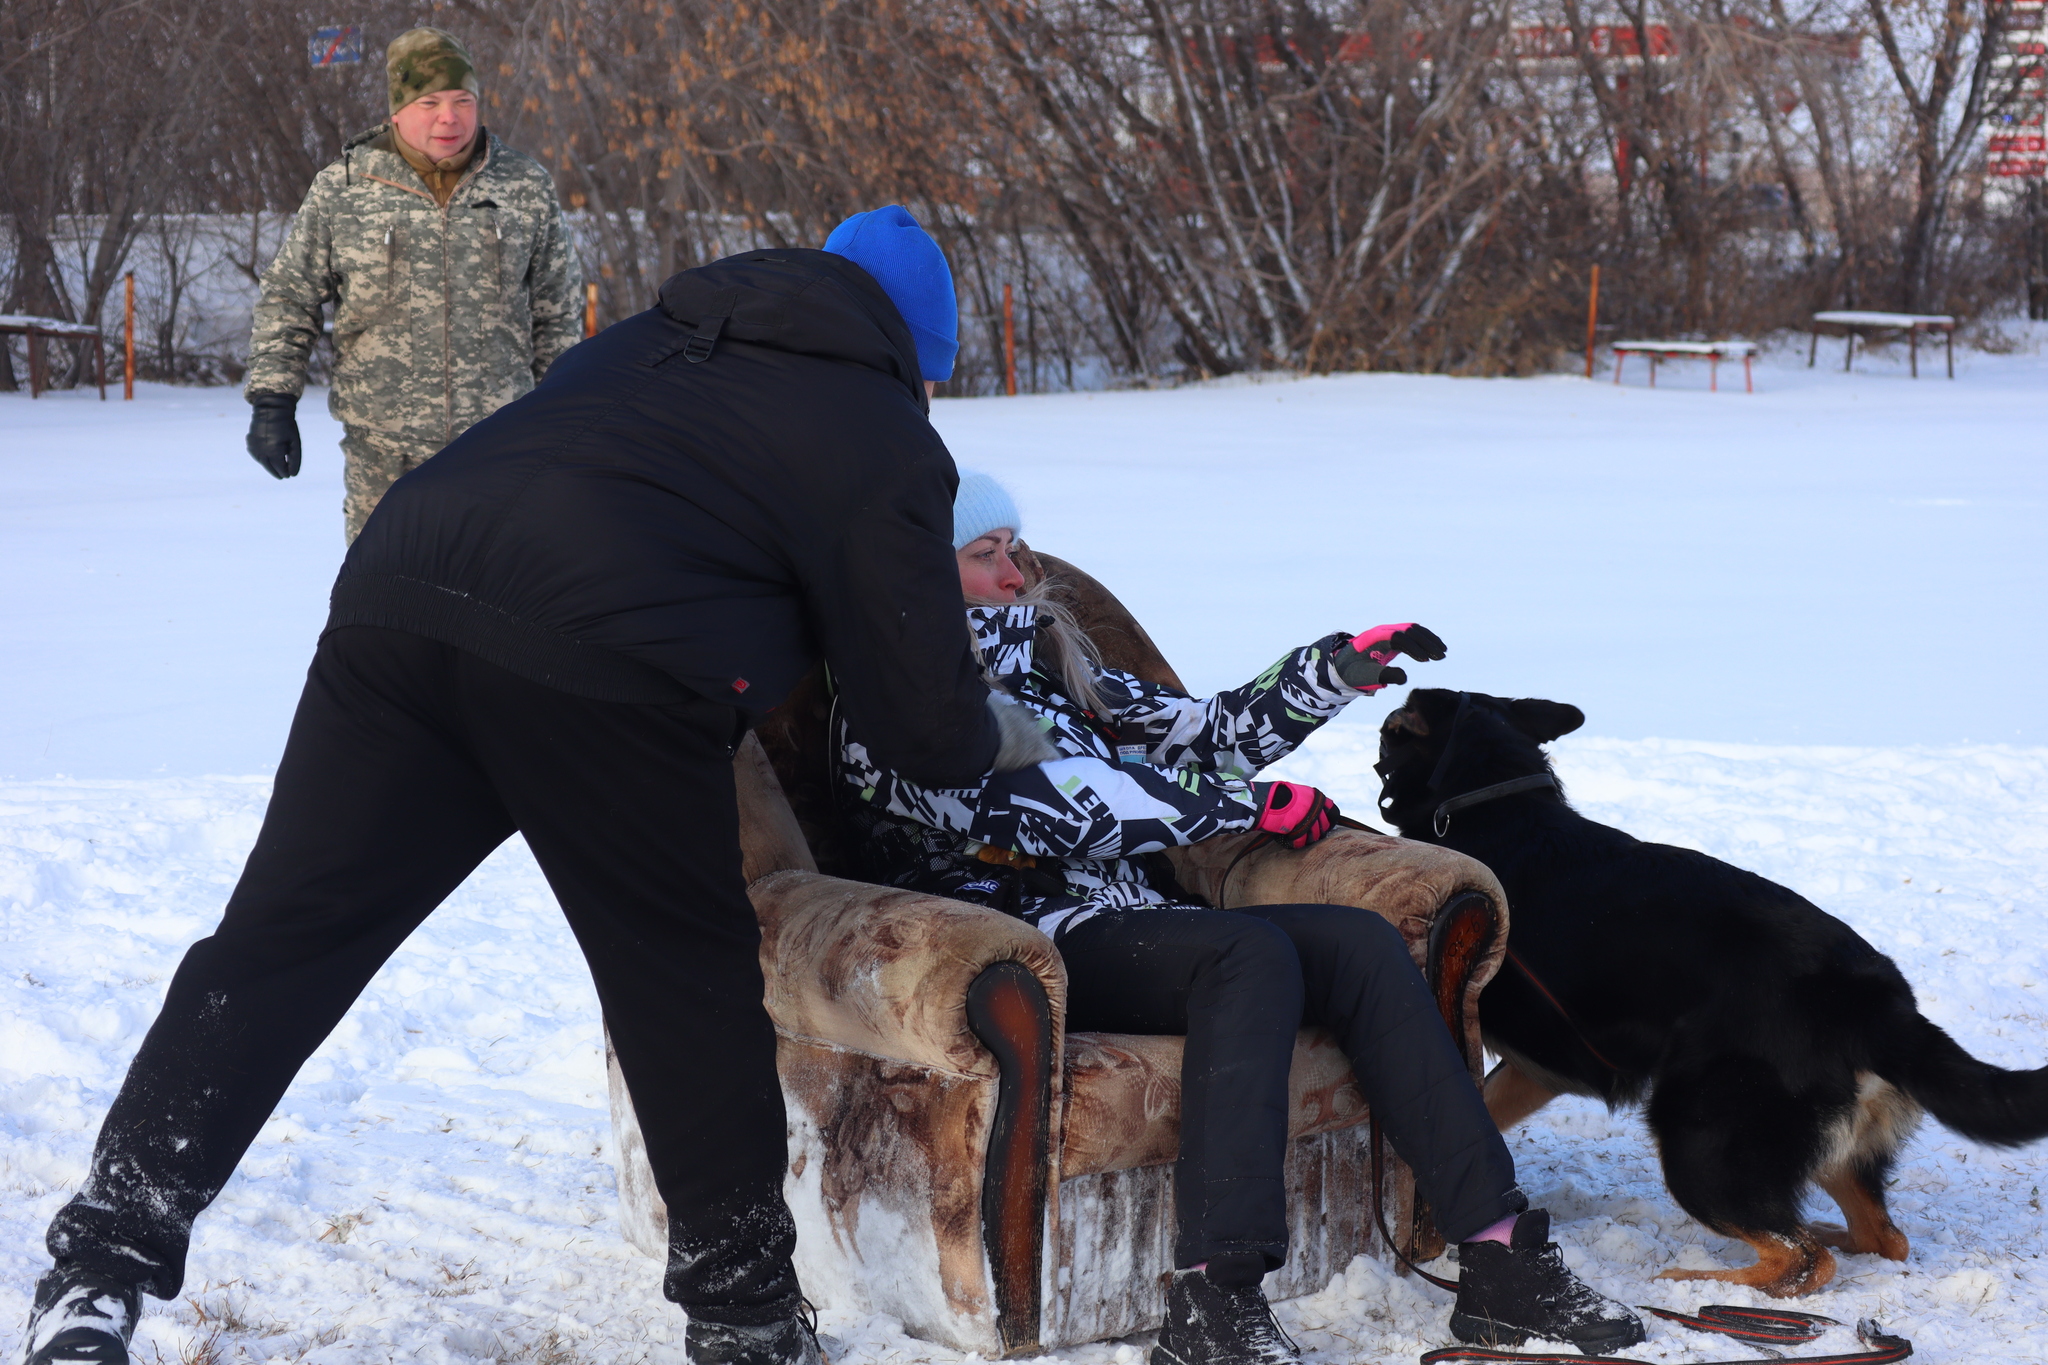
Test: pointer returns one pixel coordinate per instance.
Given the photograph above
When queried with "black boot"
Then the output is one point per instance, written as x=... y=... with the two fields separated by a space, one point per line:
x=793 y=1341
x=1208 y=1324
x=79 y=1318
x=1507 y=1294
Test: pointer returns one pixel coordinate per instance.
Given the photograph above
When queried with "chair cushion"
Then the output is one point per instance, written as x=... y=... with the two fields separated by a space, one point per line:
x=1123 y=1097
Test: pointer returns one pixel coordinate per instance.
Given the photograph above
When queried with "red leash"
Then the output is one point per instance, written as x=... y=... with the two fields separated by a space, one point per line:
x=1558 y=1005
x=1765 y=1327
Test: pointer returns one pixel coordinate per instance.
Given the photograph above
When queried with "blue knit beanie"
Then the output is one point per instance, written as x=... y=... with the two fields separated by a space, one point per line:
x=982 y=505
x=907 y=263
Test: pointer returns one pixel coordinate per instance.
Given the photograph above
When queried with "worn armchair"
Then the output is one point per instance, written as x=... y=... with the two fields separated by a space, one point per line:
x=958 y=1160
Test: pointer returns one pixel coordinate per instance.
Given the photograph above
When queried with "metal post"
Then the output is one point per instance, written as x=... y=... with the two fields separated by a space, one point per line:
x=128 y=341
x=1009 y=345
x=590 y=309
x=35 y=365
x=1849 y=348
x=1913 y=348
x=1812 y=346
x=1592 y=319
x=1950 y=334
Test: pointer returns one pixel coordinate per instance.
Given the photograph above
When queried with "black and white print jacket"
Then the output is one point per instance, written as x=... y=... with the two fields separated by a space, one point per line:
x=1066 y=840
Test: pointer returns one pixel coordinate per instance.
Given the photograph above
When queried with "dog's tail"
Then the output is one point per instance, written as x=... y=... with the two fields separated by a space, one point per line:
x=1982 y=1102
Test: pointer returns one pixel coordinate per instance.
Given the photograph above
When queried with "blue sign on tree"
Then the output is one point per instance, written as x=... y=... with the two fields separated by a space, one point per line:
x=336 y=46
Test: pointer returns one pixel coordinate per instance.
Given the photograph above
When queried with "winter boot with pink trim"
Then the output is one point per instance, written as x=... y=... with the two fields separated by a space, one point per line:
x=1509 y=1293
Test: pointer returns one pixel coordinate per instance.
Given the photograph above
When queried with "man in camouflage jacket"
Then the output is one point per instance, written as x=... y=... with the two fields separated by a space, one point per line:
x=454 y=282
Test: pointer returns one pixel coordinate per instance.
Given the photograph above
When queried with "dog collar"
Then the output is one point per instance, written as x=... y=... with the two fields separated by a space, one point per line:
x=1442 y=822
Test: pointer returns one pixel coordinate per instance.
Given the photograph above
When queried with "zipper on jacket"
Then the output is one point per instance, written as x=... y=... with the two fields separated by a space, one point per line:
x=475 y=169
x=447 y=330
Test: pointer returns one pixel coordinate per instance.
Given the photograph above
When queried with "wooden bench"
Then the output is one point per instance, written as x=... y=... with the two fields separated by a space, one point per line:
x=38 y=330
x=1854 y=324
x=1714 y=351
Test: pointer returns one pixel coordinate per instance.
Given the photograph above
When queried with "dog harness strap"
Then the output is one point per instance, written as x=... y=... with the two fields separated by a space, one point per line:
x=1533 y=781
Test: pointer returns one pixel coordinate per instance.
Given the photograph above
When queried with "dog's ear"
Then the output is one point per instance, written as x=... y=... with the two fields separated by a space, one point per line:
x=1544 y=721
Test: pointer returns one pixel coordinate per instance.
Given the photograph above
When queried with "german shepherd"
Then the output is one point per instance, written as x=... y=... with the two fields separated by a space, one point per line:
x=1771 y=1044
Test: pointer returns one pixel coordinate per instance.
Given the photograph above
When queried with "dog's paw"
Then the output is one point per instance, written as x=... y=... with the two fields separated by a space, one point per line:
x=1886 y=1241
x=1785 y=1267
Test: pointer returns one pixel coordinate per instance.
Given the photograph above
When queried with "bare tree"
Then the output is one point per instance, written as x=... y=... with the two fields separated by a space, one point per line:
x=1946 y=99
x=1171 y=187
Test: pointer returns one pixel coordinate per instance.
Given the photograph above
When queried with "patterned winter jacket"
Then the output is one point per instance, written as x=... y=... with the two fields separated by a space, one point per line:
x=442 y=315
x=1061 y=842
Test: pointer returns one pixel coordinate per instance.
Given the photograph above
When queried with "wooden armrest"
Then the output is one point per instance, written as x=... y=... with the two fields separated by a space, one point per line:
x=888 y=972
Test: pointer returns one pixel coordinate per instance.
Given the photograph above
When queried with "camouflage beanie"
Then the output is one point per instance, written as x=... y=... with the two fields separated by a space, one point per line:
x=426 y=61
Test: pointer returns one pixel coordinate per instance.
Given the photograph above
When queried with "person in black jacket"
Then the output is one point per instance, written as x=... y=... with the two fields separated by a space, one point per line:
x=562 y=625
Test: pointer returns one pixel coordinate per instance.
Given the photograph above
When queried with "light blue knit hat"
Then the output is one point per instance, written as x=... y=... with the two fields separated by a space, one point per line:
x=982 y=505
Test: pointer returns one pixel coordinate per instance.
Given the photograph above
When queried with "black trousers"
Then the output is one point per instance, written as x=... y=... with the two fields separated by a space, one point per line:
x=1240 y=984
x=408 y=762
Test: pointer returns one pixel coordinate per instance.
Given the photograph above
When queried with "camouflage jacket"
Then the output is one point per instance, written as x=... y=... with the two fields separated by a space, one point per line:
x=1063 y=841
x=442 y=316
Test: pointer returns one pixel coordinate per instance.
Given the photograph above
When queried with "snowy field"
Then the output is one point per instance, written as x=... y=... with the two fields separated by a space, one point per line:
x=1805 y=625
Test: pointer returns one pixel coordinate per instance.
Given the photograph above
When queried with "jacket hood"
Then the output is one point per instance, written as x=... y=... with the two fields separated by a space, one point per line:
x=801 y=301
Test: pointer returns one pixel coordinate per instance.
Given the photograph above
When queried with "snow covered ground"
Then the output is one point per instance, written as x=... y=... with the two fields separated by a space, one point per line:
x=1805 y=625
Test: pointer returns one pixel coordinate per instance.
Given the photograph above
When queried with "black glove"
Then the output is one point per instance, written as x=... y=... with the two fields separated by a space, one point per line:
x=1294 y=814
x=1367 y=662
x=274 y=433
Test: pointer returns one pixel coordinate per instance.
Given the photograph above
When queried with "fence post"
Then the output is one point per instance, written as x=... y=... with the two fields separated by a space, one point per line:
x=1592 y=320
x=590 y=310
x=1009 y=345
x=128 y=340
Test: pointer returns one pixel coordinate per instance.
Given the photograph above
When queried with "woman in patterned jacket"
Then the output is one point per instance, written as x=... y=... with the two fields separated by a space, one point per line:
x=1132 y=768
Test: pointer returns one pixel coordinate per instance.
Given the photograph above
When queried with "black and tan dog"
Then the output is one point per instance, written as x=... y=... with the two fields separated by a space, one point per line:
x=1772 y=1046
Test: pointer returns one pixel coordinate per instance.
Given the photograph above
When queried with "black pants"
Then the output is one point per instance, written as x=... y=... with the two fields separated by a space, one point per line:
x=408 y=762
x=1240 y=984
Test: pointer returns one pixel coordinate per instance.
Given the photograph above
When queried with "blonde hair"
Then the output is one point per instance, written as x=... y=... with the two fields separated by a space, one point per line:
x=1071 y=657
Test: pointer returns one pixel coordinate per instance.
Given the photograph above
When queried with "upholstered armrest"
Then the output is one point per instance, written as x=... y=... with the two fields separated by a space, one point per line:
x=888 y=972
x=1406 y=883
x=1449 y=908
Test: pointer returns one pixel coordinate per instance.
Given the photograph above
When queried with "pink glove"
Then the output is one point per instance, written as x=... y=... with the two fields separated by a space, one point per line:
x=1295 y=815
x=1366 y=663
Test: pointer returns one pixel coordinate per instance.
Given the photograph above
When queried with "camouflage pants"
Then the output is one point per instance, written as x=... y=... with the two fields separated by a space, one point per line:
x=373 y=462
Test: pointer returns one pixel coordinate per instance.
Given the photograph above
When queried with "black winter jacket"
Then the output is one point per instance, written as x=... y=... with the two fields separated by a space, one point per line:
x=652 y=519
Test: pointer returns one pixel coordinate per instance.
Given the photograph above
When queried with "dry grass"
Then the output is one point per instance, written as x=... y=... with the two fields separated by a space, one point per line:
x=460 y=1280
x=197 y=1350
x=226 y=1311
x=551 y=1349
x=315 y=1341
x=342 y=1226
